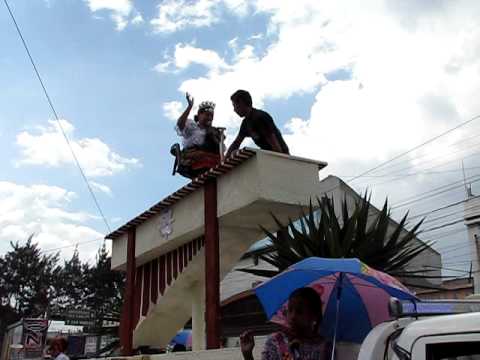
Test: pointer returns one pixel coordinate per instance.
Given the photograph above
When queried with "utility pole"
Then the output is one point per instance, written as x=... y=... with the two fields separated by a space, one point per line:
x=472 y=221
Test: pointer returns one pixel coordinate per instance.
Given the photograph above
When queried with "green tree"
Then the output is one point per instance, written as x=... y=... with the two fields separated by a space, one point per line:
x=74 y=287
x=29 y=280
x=105 y=290
x=356 y=233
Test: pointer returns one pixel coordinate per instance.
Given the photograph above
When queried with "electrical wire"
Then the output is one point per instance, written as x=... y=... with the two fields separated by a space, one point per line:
x=49 y=100
x=435 y=192
x=415 y=148
x=438 y=209
x=417 y=173
x=73 y=245
x=462 y=141
x=428 y=161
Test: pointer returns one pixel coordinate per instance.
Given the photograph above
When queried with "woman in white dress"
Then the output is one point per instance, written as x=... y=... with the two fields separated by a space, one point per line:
x=201 y=141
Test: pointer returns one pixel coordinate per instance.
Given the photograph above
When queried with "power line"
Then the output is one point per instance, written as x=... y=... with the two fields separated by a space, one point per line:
x=442 y=226
x=405 y=152
x=425 y=155
x=445 y=268
x=417 y=173
x=451 y=214
x=57 y=117
x=396 y=171
x=437 y=209
x=72 y=245
x=466 y=262
x=401 y=177
x=415 y=148
x=447 y=249
x=436 y=191
x=451 y=251
x=453 y=244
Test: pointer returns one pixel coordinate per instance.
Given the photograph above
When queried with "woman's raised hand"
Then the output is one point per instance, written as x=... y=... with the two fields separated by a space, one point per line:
x=247 y=343
x=189 y=99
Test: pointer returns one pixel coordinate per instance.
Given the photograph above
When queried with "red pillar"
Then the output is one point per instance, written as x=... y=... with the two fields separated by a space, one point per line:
x=212 y=266
x=126 y=328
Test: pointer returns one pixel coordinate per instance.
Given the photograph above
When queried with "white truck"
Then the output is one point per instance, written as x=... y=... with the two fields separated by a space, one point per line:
x=427 y=330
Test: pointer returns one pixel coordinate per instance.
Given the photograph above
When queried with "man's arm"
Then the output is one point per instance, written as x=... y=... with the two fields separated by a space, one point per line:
x=182 y=120
x=235 y=145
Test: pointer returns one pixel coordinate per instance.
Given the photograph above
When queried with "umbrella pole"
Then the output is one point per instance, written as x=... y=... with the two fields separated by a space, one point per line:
x=339 y=294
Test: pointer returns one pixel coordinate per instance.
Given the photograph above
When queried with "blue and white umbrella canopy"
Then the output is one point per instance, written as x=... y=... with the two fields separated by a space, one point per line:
x=360 y=293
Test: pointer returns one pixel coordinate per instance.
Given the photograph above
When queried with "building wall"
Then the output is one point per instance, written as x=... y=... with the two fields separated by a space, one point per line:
x=236 y=281
x=456 y=289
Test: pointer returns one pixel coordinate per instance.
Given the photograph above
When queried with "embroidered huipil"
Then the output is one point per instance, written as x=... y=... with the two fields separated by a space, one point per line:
x=277 y=348
x=192 y=134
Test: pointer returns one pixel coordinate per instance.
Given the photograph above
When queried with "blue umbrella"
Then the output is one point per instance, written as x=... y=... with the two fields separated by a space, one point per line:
x=354 y=296
x=183 y=337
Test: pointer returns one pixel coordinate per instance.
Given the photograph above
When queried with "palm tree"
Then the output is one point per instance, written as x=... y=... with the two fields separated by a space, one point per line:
x=356 y=233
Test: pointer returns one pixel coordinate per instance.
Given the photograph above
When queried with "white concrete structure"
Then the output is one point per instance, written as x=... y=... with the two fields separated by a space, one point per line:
x=249 y=190
x=472 y=221
x=236 y=282
x=167 y=241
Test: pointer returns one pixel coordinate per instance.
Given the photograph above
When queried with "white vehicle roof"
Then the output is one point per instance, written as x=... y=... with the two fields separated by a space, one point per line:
x=439 y=325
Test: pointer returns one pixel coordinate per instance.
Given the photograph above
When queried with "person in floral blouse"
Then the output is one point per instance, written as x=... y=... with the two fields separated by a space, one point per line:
x=301 y=340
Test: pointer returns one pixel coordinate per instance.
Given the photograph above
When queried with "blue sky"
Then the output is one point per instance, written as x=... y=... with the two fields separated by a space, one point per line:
x=348 y=84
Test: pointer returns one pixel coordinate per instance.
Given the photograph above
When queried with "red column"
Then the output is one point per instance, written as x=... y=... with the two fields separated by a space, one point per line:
x=212 y=266
x=126 y=328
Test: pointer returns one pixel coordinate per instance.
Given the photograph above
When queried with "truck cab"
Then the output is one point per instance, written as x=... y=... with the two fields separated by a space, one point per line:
x=434 y=330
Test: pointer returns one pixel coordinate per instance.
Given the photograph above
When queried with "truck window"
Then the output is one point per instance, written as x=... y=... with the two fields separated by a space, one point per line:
x=469 y=350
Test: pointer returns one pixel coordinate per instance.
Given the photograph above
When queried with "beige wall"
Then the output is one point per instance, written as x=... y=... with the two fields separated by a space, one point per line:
x=246 y=196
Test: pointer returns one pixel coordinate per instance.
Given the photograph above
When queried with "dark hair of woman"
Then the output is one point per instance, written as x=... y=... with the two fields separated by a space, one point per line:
x=313 y=301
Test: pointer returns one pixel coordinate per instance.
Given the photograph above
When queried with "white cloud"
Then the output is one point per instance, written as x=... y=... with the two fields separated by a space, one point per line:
x=172 y=110
x=238 y=7
x=174 y=15
x=403 y=82
x=101 y=187
x=420 y=77
x=47 y=146
x=138 y=19
x=122 y=11
x=42 y=210
x=164 y=67
x=123 y=7
x=233 y=43
x=185 y=55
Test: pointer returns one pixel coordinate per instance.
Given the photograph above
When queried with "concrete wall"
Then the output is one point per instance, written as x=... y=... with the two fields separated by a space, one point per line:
x=236 y=282
x=222 y=354
x=247 y=196
x=345 y=351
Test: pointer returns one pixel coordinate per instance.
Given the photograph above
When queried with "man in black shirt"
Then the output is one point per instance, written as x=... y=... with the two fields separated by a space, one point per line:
x=256 y=124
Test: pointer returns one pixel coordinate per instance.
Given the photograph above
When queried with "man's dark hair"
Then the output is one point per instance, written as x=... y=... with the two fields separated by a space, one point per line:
x=243 y=96
x=313 y=300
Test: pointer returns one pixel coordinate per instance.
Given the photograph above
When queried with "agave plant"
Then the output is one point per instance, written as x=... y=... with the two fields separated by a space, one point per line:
x=357 y=233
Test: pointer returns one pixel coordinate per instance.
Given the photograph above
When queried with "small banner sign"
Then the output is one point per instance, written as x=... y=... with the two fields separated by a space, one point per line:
x=34 y=336
x=79 y=317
